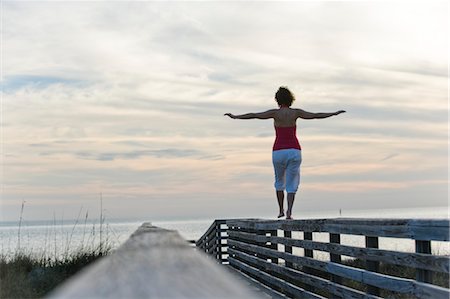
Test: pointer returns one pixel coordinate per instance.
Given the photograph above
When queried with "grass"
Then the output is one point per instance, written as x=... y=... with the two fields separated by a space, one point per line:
x=27 y=274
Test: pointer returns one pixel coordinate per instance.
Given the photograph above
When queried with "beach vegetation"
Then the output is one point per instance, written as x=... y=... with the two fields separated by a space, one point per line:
x=28 y=273
x=28 y=276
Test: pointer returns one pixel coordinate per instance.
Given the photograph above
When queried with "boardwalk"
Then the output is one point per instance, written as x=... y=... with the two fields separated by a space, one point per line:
x=267 y=251
x=254 y=258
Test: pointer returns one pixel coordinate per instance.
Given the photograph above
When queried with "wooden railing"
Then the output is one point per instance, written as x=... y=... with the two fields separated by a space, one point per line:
x=213 y=241
x=153 y=263
x=284 y=256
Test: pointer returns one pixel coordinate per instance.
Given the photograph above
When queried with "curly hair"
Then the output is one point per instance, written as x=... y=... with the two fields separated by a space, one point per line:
x=284 y=96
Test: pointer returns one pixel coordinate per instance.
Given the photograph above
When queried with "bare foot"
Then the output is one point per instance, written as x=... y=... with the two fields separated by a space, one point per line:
x=289 y=217
x=280 y=215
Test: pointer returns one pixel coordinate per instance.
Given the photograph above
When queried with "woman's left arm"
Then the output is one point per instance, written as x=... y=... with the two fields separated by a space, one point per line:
x=310 y=115
x=260 y=115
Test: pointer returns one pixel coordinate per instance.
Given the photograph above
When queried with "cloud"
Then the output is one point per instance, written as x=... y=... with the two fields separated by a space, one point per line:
x=130 y=96
x=161 y=153
x=12 y=83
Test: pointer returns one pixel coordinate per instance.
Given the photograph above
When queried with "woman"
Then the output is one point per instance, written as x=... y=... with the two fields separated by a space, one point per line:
x=287 y=154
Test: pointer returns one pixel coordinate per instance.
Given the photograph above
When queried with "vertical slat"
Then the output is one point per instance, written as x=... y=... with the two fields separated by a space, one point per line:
x=373 y=266
x=308 y=253
x=288 y=249
x=222 y=244
x=251 y=231
x=262 y=244
x=424 y=275
x=308 y=236
x=335 y=258
x=274 y=233
x=231 y=228
x=218 y=242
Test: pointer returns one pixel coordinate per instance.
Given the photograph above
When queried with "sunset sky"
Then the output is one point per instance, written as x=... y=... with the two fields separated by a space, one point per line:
x=126 y=99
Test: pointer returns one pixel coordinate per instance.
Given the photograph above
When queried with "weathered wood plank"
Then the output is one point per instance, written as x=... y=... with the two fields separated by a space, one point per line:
x=320 y=283
x=437 y=230
x=288 y=257
x=416 y=260
x=396 y=284
x=272 y=281
x=153 y=263
x=263 y=223
x=387 y=282
x=266 y=291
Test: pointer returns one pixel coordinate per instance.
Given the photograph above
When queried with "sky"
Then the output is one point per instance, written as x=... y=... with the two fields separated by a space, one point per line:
x=121 y=104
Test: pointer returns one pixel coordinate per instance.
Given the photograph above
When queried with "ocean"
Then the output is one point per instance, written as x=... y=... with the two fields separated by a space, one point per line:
x=56 y=238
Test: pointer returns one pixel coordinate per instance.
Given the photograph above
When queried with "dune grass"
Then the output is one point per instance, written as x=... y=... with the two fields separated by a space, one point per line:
x=26 y=276
x=31 y=274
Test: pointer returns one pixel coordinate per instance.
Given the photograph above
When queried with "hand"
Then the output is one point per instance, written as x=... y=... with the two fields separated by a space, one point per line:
x=339 y=112
x=230 y=115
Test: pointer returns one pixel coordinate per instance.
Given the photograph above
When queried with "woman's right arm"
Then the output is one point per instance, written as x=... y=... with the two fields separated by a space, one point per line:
x=261 y=115
x=311 y=115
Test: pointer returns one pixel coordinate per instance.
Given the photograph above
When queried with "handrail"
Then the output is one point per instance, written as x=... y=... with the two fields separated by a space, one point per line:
x=281 y=255
x=153 y=263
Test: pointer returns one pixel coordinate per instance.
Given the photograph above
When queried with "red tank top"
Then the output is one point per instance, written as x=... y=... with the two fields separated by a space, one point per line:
x=286 y=138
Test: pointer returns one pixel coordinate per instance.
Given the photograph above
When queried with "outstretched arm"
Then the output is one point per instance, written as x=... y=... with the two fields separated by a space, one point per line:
x=261 y=115
x=310 y=115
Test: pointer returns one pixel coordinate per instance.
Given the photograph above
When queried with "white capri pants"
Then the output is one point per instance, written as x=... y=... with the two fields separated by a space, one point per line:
x=286 y=163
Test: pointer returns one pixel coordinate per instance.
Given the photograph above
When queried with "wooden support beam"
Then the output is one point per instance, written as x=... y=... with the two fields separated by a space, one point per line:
x=335 y=258
x=372 y=242
x=423 y=275
x=288 y=249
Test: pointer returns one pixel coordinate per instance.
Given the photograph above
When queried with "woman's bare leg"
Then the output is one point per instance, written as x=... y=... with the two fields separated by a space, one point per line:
x=280 y=198
x=290 y=200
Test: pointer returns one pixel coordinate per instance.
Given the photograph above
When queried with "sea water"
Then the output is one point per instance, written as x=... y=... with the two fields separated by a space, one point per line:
x=59 y=238
x=56 y=238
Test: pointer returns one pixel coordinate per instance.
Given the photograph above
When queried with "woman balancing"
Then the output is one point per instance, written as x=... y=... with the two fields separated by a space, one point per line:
x=287 y=154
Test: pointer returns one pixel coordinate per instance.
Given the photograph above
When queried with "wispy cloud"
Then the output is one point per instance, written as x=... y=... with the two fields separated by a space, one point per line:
x=129 y=97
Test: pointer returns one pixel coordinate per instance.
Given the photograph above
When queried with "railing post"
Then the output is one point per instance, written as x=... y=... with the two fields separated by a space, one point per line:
x=335 y=258
x=262 y=243
x=372 y=242
x=288 y=249
x=423 y=275
x=252 y=231
x=218 y=242
x=231 y=228
x=308 y=253
x=308 y=236
x=274 y=233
